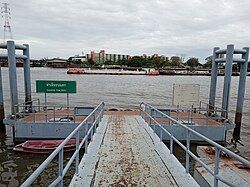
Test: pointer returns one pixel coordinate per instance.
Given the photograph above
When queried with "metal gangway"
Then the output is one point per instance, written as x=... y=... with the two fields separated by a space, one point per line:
x=125 y=150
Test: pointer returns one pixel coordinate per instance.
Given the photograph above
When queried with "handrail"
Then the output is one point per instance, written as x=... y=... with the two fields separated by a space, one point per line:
x=191 y=111
x=27 y=102
x=221 y=109
x=59 y=150
x=218 y=148
x=48 y=111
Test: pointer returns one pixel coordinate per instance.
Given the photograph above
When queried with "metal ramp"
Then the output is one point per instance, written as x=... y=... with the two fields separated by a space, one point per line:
x=126 y=152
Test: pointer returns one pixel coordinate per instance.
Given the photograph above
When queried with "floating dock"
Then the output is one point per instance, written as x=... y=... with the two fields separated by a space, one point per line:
x=126 y=152
x=55 y=122
x=124 y=149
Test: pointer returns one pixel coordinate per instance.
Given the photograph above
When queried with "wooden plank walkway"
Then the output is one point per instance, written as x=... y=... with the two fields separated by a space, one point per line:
x=126 y=152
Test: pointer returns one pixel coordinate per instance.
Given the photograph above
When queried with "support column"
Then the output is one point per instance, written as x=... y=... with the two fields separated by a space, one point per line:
x=214 y=74
x=2 y=126
x=240 y=97
x=12 y=75
x=27 y=79
x=227 y=79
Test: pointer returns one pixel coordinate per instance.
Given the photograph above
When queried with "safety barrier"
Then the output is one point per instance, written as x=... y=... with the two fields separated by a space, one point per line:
x=146 y=113
x=97 y=114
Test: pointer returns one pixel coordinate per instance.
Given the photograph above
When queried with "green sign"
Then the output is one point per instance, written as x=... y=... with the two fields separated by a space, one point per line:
x=48 y=86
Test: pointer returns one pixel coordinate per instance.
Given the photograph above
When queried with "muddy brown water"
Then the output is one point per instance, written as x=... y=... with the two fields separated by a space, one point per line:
x=126 y=91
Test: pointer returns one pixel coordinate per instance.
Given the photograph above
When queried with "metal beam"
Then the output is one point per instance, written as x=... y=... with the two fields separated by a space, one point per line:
x=17 y=46
x=236 y=51
x=240 y=51
x=27 y=79
x=16 y=56
x=227 y=79
x=12 y=75
x=2 y=125
x=234 y=60
x=241 y=93
x=213 y=82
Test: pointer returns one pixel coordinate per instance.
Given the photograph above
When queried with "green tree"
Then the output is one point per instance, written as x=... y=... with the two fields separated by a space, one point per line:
x=157 y=62
x=165 y=63
x=108 y=62
x=78 y=62
x=175 y=61
x=209 y=61
x=193 y=62
x=136 y=61
x=122 y=62
x=90 y=62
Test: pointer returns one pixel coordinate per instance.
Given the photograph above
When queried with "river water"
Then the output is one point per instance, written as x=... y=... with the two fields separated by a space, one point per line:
x=125 y=91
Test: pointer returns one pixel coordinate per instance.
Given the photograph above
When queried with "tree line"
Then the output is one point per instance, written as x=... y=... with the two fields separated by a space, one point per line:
x=158 y=62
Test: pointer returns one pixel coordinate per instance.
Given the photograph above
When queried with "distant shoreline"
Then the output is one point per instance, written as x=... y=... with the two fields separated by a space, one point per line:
x=100 y=71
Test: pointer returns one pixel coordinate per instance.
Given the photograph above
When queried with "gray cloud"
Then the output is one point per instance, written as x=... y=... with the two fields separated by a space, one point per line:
x=64 y=27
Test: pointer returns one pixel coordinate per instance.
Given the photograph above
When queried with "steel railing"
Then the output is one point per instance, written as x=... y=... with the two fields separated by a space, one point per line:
x=214 y=110
x=48 y=113
x=188 y=115
x=26 y=106
x=44 y=113
x=144 y=112
x=96 y=115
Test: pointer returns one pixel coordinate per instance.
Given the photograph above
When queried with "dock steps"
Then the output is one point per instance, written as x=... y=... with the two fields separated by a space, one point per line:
x=126 y=152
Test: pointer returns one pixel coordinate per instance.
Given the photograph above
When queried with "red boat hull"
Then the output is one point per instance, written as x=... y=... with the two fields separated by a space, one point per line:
x=153 y=73
x=75 y=71
x=43 y=146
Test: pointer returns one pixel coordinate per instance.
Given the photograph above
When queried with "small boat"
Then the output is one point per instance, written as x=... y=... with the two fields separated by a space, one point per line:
x=43 y=146
x=75 y=71
x=153 y=73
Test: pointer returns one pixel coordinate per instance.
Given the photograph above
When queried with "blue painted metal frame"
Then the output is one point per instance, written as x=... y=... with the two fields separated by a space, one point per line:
x=96 y=114
x=12 y=56
x=145 y=112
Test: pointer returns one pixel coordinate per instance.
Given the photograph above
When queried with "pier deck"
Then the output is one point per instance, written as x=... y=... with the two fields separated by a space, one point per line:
x=60 y=122
x=126 y=152
x=41 y=116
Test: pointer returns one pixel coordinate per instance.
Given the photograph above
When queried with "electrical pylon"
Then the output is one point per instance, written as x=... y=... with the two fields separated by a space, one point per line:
x=5 y=10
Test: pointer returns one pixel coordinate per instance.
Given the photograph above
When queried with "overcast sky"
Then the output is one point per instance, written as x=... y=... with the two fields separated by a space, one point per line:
x=61 y=28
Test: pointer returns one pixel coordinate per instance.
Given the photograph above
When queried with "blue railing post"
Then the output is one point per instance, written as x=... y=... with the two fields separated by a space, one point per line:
x=77 y=149
x=161 y=124
x=187 y=149
x=171 y=136
x=91 y=133
x=87 y=138
x=150 y=121
x=177 y=113
x=192 y=110
x=60 y=167
x=217 y=165
x=94 y=118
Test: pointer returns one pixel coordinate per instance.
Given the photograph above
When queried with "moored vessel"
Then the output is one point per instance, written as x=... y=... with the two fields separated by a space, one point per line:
x=75 y=71
x=43 y=146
